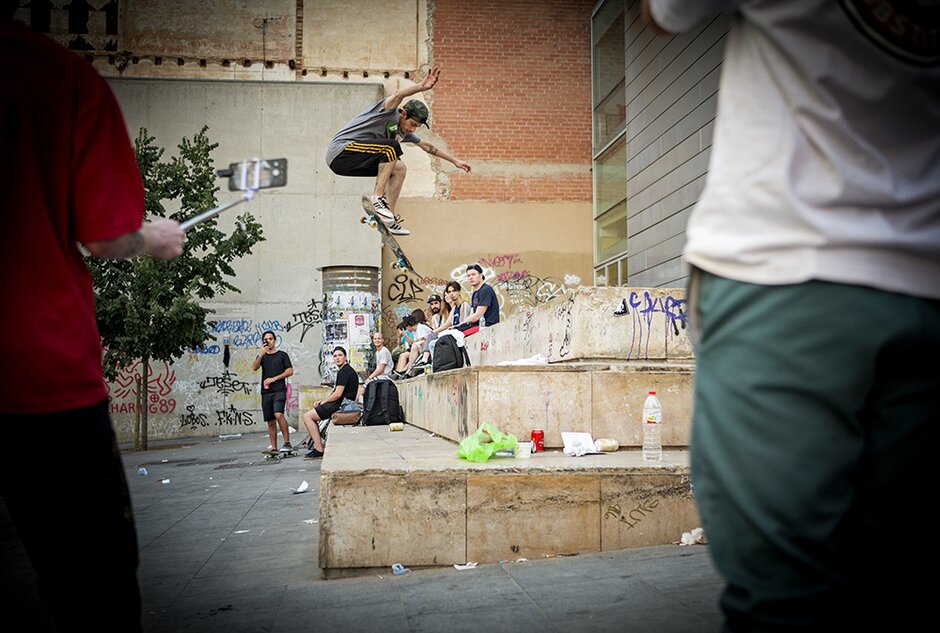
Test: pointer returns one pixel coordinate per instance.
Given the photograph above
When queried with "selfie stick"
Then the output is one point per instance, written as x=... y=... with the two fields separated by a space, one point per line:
x=250 y=190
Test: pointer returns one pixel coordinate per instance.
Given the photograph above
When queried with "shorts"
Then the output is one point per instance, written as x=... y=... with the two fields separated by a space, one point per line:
x=363 y=159
x=327 y=409
x=271 y=403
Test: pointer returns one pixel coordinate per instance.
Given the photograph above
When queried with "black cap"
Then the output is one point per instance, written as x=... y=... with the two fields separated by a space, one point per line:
x=434 y=298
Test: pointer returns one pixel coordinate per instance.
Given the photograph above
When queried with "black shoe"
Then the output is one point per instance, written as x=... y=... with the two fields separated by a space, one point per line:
x=623 y=309
x=314 y=454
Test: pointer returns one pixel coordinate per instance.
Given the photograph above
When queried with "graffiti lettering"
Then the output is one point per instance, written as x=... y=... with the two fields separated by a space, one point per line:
x=232 y=417
x=633 y=517
x=501 y=260
x=225 y=384
x=403 y=289
x=307 y=319
x=192 y=419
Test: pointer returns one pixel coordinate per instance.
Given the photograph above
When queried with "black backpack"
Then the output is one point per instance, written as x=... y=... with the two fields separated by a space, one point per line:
x=448 y=355
x=380 y=404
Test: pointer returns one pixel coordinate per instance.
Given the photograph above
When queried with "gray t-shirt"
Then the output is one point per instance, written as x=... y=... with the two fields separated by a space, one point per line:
x=374 y=123
x=384 y=356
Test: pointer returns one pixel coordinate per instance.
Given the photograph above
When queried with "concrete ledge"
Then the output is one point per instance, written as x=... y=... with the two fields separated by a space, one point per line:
x=604 y=399
x=581 y=326
x=405 y=497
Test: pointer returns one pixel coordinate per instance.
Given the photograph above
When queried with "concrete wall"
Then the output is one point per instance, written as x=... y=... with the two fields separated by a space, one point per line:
x=308 y=224
x=583 y=326
x=671 y=93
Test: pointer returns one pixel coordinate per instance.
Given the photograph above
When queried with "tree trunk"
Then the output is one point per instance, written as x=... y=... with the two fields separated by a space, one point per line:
x=137 y=415
x=145 y=362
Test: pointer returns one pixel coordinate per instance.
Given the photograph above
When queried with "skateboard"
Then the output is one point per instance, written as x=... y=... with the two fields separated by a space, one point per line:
x=402 y=263
x=278 y=454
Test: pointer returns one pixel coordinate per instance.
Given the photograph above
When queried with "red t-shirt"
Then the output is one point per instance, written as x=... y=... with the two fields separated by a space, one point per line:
x=68 y=175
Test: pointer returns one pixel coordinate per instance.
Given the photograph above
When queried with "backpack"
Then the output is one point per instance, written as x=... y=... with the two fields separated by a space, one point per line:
x=380 y=404
x=448 y=355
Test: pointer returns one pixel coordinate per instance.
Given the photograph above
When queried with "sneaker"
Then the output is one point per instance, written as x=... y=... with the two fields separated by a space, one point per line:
x=396 y=229
x=287 y=448
x=623 y=309
x=381 y=210
x=314 y=454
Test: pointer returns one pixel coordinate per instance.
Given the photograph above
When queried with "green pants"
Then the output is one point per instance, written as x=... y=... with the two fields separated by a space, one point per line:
x=816 y=414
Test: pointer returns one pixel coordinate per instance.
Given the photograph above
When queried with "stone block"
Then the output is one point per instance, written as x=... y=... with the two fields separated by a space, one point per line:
x=644 y=509
x=513 y=515
x=617 y=403
x=519 y=399
x=375 y=519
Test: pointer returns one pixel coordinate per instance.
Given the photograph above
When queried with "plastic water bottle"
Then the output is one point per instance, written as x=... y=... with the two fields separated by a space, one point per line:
x=652 y=420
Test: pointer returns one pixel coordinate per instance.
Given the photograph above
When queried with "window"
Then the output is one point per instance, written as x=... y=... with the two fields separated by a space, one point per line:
x=610 y=150
x=609 y=64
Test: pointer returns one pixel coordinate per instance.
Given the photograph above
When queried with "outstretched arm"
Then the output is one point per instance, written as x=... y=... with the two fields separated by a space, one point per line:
x=161 y=239
x=395 y=100
x=436 y=151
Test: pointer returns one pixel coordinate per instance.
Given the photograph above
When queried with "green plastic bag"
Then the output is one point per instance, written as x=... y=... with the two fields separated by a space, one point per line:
x=487 y=439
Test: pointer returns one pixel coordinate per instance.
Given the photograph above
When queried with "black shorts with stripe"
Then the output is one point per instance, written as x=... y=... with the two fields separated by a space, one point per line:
x=363 y=159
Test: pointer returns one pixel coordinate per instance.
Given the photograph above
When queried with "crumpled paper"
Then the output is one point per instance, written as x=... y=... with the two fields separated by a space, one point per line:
x=301 y=488
x=695 y=537
x=467 y=566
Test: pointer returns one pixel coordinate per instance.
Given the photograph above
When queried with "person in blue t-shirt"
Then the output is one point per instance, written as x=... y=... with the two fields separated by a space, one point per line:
x=484 y=302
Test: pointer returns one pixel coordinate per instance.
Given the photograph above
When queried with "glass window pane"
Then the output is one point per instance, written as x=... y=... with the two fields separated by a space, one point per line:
x=610 y=178
x=612 y=279
x=623 y=271
x=600 y=277
x=610 y=231
x=609 y=67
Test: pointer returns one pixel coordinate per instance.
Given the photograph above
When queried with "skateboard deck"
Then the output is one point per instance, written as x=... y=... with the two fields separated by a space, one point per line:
x=278 y=454
x=402 y=263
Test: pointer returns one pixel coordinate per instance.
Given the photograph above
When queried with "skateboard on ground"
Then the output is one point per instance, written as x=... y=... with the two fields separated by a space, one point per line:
x=388 y=239
x=279 y=454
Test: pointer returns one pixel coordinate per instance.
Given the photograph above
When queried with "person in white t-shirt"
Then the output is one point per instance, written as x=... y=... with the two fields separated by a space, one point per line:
x=383 y=359
x=815 y=297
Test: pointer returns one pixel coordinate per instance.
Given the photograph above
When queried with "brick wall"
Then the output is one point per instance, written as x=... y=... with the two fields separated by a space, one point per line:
x=516 y=90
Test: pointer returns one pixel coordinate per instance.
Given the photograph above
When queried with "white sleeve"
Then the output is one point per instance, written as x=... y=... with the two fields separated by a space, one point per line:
x=678 y=16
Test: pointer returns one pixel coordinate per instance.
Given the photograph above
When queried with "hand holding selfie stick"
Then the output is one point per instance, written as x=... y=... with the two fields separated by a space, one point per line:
x=248 y=176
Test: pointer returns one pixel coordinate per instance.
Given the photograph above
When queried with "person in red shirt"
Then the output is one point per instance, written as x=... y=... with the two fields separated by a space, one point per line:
x=69 y=177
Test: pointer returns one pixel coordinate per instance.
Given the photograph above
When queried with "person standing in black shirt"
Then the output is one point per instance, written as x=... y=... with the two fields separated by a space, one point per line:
x=345 y=389
x=275 y=368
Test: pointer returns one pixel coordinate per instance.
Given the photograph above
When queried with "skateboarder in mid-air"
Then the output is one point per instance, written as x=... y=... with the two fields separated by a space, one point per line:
x=369 y=145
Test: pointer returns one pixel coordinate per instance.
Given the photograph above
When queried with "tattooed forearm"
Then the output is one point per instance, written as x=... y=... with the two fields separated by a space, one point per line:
x=124 y=247
x=432 y=150
x=127 y=246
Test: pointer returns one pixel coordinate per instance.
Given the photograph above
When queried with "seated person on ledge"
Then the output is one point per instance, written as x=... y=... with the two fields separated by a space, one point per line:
x=383 y=359
x=484 y=302
x=345 y=390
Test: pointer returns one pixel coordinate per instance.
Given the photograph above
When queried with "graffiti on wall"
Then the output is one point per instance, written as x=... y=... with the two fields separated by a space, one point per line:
x=208 y=389
x=159 y=396
x=518 y=289
x=307 y=319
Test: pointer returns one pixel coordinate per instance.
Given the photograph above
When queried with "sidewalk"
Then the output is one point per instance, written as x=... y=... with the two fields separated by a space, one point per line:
x=225 y=546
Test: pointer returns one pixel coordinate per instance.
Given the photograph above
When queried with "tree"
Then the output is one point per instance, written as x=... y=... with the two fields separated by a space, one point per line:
x=149 y=309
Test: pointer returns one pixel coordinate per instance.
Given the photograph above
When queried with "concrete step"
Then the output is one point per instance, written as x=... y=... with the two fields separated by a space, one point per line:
x=582 y=326
x=405 y=497
x=603 y=399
